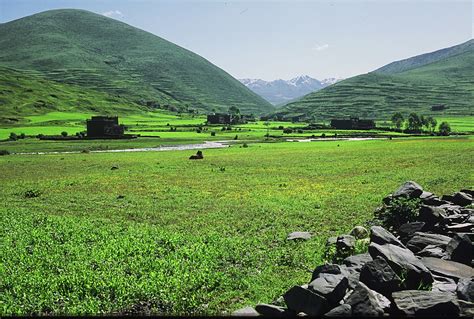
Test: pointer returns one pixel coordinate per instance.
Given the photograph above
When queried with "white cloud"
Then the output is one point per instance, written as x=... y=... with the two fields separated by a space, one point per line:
x=320 y=47
x=113 y=14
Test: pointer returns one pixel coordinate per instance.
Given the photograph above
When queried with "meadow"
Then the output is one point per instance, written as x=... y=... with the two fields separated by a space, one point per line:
x=166 y=235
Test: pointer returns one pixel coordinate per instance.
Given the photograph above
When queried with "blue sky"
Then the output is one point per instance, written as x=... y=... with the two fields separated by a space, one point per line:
x=270 y=39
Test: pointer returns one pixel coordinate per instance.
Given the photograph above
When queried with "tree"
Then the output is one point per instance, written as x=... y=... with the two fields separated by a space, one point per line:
x=234 y=110
x=13 y=136
x=414 y=122
x=431 y=123
x=398 y=119
x=64 y=134
x=444 y=129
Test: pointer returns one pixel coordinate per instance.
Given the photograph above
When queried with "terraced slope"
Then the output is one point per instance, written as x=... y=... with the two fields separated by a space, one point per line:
x=98 y=53
x=378 y=95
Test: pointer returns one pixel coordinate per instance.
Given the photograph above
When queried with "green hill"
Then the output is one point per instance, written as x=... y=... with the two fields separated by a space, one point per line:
x=410 y=85
x=95 y=53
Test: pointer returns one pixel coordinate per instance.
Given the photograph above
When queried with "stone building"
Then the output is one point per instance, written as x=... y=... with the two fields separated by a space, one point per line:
x=353 y=123
x=104 y=127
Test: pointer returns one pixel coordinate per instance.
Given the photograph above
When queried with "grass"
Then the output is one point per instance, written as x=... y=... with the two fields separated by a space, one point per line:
x=174 y=236
x=82 y=49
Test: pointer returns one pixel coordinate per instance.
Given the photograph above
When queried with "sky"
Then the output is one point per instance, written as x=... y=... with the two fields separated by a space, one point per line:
x=284 y=39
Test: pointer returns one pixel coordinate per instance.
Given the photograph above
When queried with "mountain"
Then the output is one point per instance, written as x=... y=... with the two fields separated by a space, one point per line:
x=411 y=85
x=281 y=91
x=91 y=52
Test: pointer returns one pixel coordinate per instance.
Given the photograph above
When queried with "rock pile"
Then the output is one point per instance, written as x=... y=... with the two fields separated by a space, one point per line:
x=423 y=268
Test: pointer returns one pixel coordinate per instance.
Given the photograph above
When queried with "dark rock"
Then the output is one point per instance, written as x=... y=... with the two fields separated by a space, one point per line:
x=357 y=261
x=448 y=198
x=345 y=242
x=431 y=215
x=326 y=269
x=447 y=268
x=406 y=231
x=426 y=303
x=359 y=232
x=465 y=289
x=271 y=310
x=299 y=235
x=461 y=228
x=114 y=168
x=468 y=191
x=432 y=251
x=378 y=276
x=246 y=312
x=352 y=275
x=443 y=284
x=462 y=199
x=421 y=240
x=451 y=209
x=304 y=300
x=410 y=189
x=332 y=287
x=460 y=248
x=364 y=302
x=343 y=310
x=381 y=236
x=467 y=309
x=404 y=263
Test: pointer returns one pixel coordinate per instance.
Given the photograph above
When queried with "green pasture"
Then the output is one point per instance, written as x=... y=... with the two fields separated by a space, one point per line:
x=167 y=235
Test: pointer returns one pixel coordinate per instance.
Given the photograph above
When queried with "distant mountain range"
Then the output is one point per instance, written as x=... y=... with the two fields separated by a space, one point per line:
x=415 y=84
x=122 y=67
x=280 y=91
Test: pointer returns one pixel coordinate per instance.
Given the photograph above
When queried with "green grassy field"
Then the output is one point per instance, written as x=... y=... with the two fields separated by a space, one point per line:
x=174 y=236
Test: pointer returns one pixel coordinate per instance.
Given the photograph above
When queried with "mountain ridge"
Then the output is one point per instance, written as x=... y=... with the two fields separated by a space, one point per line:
x=82 y=48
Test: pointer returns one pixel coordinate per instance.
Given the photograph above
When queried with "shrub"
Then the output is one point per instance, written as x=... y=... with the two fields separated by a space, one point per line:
x=323 y=135
x=281 y=127
x=4 y=152
x=300 y=131
x=63 y=133
x=236 y=137
x=398 y=212
x=40 y=136
x=13 y=136
x=444 y=129
x=245 y=145
x=32 y=193
x=22 y=136
x=287 y=130
x=213 y=133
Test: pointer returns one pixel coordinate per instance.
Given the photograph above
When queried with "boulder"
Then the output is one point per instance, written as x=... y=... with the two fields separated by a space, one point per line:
x=331 y=241
x=426 y=303
x=332 y=287
x=364 y=302
x=431 y=215
x=462 y=199
x=426 y=195
x=378 y=276
x=465 y=289
x=404 y=263
x=447 y=198
x=326 y=269
x=460 y=248
x=468 y=191
x=271 y=310
x=343 y=310
x=359 y=232
x=460 y=228
x=381 y=236
x=432 y=251
x=345 y=243
x=406 y=231
x=421 y=240
x=410 y=190
x=357 y=261
x=352 y=275
x=443 y=284
x=304 y=300
x=246 y=312
x=447 y=268
x=433 y=201
x=299 y=235
x=467 y=309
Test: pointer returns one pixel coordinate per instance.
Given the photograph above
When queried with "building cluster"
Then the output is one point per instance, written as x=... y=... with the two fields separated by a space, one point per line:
x=353 y=123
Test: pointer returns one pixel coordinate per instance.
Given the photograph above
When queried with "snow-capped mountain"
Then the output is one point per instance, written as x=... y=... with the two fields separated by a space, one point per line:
x=282 y=91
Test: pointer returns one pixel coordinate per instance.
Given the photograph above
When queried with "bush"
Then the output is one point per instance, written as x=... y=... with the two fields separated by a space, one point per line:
x=300 y=131
x=245 y=145
x=64 y=134
x=13 y=136
x=22 y=136
x=213 y=133
x=287 y=130
x=444 y=129
x=4 y=152
x=281 y=127
x=323 y=135
x=32 y=193
x=398 y=212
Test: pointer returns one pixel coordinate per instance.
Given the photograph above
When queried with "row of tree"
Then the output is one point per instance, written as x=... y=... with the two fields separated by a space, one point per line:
x=416 y=123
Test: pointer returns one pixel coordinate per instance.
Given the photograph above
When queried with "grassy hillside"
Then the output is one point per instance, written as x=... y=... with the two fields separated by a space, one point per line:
x=97 y=53
x=377 y=95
